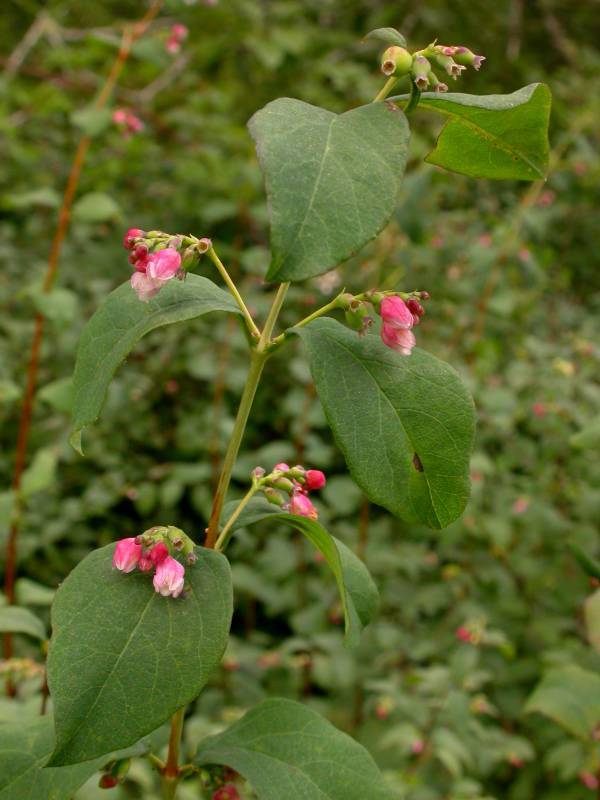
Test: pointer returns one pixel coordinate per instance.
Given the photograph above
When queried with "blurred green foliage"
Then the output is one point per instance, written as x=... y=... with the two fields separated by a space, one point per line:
x=511 y=270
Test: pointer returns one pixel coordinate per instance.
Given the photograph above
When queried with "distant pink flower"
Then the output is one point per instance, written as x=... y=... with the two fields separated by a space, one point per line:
x=179 y=31
x=159 y=552
x=520 y=505
x=462 y=634
x=301 y=505
x=485 y=240
x=589 y=780
x=177 y=34
x=169 y=577
x=539 y=409
x=417 y=746
x=315 y=479
x=127 y=121
x=127 y=555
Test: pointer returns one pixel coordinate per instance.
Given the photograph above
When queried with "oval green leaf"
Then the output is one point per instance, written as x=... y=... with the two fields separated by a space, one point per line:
x=499 y=136
x=332 y=180
x=119 y=324
x=20 y=620
x=389 y=36
x=24 y=750
x=285 y=749
x=571 y=697
x=123 y=658
x=358 y=592
x=404 y=424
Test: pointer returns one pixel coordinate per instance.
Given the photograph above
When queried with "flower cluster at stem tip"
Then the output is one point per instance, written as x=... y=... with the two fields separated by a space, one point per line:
x=157 y=549
x=288 y=487
x=399 y=313
x=453 y=59
x=157 y=258
x=177 y=35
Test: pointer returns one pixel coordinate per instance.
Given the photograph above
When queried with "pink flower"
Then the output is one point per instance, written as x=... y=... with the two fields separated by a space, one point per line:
x=417 y=746
x=395 y=313
x=315 y=479
x=127 y=555
x=158 y=553
x=145 y=564
x=119 y=116
x=163 y=265
x=401 y=340
x=169 y=577
x=127 y=121
x=144 y=287
x=589 y=780
x=130 y=236
x=179 y=31
x=462 y=634
x=539 y=409
x=520 y=505
x=281 y=467
x=301 y=505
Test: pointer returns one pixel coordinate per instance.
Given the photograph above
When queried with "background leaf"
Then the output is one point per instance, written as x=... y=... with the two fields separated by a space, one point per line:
x=384 y=409
x=119 y=324
x=358 y=593
x=288 y=750
x=332 y=180
x=389 y=36
x=14 y=619
x=592 y=619
x=123 y=659
x=494 y=135
x=570 y=696
x=24 y=750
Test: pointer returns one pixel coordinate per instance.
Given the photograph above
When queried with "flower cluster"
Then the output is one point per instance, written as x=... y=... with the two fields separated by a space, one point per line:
x=288 y=487
x=127 y=122
x=177 y=35
x=453 y=59
x=154 y=550
x=399 y=314
x=157 y=258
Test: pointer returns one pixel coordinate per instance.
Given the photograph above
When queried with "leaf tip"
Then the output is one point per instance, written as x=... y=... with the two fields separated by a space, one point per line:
x=75 y=441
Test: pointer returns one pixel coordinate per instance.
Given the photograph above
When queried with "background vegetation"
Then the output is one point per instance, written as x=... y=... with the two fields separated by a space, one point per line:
x=512 y=273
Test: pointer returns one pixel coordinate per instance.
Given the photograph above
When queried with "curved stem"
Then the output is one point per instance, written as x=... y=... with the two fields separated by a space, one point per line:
x=250 y=324
x=225 y=534
x=385 y=89
x=413 y=100
x=279 y=340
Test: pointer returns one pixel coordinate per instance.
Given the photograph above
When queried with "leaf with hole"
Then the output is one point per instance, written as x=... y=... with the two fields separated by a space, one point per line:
x=123 y=658
x=405 y=424
x=332 y=180
x=500 y=136
x=285 y=749
x=119 y=324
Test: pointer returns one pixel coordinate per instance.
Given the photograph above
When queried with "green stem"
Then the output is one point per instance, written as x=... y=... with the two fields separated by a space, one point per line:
x=279 y=340
x=385 y=89
x=257 y=362
x=413 y=100
x=251 y=325
x=225 y=534
x=170 y=779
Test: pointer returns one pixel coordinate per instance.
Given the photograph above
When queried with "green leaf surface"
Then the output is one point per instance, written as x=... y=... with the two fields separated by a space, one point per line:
x=332 y=180
x=123 y=658
x=358 y=593
x=389 y=36
x=119 y=324
x=24 y=750
x=286 y=750
x=500 y=136
x=14 y=619
x=592 y=619
x=588 y=437
x=405 y=424
x=41 y=473
x=96 y=207
x=571 y=697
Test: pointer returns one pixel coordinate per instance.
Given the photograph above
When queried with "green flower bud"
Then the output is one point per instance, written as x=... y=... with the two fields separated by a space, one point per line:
x=396 y=61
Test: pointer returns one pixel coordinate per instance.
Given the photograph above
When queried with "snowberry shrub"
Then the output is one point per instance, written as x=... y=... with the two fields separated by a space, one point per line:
x=140 y=625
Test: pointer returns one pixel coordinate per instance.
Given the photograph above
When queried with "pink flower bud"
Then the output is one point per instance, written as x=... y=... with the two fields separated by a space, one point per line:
x=539 y=409
x=401 y=340
x=132 y=233
x=158 y=553
x=315 y=479
x=119 y=116
x=416 y=309
x=417 y=746
x=228 y=792
x=145 y=564
x=179 y=31
x=127 y=555
x=589 y=780
x=301 y=505
x=395 y=313
x=281 y=467
x=108 y=781
x=169 y=577
x=462 y=634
